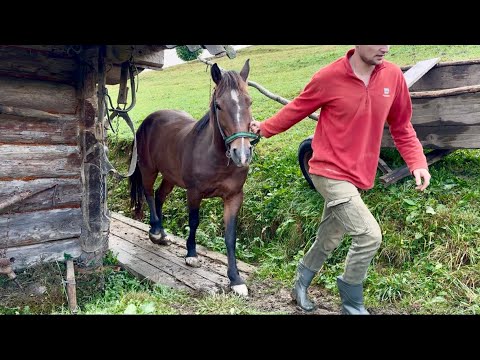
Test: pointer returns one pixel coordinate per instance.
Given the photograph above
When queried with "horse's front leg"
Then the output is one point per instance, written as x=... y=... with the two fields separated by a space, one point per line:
x=193 y=201
x=230 y=211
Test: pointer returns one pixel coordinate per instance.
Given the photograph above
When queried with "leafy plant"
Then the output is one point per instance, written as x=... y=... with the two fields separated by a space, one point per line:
x=185 y=54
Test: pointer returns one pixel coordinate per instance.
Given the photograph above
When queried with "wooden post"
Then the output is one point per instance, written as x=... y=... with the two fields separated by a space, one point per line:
x=95 y=221
x=432 y=157
x=71 y=287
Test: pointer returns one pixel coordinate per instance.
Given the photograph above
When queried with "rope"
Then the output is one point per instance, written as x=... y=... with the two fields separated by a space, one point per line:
x=122 y=113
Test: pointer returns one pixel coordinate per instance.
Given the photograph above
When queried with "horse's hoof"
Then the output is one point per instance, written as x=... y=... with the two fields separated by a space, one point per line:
x=192 y=261
x=158 y=239
x=240 y=290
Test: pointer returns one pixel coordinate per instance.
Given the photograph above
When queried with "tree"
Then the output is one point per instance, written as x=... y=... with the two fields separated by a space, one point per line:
x=187 y=55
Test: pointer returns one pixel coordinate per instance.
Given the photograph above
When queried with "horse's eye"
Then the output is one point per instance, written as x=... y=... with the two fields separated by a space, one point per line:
x=218 y=106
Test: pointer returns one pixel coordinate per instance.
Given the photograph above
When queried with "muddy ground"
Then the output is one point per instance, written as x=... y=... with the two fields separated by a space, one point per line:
x=42 y=293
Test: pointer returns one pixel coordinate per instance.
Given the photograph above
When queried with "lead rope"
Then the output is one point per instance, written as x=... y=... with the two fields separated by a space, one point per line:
x=123 y=113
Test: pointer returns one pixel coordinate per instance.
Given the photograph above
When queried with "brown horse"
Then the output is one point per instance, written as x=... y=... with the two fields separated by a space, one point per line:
x=209 y=158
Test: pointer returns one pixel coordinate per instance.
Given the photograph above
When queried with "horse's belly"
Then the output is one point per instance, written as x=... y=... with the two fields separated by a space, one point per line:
x=225 y=188
x=172 y=177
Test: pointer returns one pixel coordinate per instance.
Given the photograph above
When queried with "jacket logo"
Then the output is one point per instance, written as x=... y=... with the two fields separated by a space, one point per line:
x=386 y=92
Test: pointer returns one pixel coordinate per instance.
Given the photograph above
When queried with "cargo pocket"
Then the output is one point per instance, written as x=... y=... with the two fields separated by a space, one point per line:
x=350 y=215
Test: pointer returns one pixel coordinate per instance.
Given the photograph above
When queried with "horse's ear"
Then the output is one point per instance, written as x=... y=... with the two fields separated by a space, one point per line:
x=216 y=73
x=245 y=70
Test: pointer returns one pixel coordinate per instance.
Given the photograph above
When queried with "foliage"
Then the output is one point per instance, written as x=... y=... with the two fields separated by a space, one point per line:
x=185 y=54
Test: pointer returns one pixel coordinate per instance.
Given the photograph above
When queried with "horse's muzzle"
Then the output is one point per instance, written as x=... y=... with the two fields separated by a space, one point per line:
x=241 y=152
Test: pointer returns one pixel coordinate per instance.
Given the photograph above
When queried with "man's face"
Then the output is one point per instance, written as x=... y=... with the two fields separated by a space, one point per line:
x=372 y=54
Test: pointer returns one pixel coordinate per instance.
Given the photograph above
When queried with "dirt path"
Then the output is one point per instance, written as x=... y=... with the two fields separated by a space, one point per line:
x=42 y=292
x=271 y=297
x=276 y=298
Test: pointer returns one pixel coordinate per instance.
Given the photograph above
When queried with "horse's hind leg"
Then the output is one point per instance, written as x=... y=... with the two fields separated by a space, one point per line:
x=193 y=200
x=155 y=233
x=161 y=194
x=230 y=210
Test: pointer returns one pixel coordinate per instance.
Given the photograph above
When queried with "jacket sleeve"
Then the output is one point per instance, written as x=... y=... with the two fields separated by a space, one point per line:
x=401 y=128
x=309 y=100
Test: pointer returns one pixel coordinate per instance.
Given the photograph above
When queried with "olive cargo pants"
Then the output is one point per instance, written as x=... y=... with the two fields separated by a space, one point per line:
x=344 y=212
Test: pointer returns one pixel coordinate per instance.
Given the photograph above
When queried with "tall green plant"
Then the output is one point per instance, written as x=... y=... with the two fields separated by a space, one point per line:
x=185 y=54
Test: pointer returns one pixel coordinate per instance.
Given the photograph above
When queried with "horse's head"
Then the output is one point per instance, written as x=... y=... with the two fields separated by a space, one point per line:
x=231 y=109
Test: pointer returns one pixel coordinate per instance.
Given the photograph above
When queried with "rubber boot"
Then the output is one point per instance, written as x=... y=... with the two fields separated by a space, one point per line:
x=299 y=292
x=352 y=298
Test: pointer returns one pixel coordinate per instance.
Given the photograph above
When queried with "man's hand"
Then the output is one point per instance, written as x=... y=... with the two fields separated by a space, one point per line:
x=255 y=127
x=419 y=174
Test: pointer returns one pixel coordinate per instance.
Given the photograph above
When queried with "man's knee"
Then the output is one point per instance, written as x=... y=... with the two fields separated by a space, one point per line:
x=373 y=235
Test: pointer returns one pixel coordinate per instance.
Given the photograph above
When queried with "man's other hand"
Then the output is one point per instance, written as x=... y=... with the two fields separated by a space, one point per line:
x=419 y=175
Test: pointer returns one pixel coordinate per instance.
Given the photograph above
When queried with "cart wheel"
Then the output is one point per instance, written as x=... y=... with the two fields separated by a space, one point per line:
x=304 y=154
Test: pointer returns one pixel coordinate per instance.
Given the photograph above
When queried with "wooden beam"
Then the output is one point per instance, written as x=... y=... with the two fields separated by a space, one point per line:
x=400 y=173
x=16 y=198
x=383 y=166
x=46 y=96
x=60 y=193
x=30 y=161
x=22 y=112
x=22 y=62
x=27 y=256
x=20 y=229
x=71 y=287
x=20 y=130
x=472 y=89
x=418 y=70
x=449 y=75
x=95 y=222
x=443 y=137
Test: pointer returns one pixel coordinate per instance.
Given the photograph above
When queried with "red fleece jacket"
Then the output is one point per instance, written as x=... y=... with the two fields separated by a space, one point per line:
x=347 y=139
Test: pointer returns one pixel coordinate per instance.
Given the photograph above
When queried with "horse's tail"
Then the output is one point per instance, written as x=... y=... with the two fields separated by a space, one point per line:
x=136 y=193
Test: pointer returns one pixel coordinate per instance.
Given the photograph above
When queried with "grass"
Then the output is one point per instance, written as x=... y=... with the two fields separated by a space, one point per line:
x=107 y=290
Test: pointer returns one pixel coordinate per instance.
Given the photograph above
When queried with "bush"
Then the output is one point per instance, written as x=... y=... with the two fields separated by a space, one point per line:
x=187 y=55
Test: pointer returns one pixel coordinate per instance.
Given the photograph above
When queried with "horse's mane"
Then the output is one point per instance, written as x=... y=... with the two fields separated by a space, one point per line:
x=231 y=80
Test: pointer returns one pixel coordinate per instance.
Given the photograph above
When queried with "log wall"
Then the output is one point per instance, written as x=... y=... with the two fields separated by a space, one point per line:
x=47 y=104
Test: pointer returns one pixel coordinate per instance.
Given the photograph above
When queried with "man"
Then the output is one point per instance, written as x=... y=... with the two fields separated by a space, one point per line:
x=356 y=94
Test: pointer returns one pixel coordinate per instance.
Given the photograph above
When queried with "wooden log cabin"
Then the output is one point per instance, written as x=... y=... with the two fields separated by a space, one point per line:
x=52 y=147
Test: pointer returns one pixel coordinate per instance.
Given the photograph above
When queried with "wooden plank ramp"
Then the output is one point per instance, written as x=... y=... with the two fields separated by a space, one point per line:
x=165 y=265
